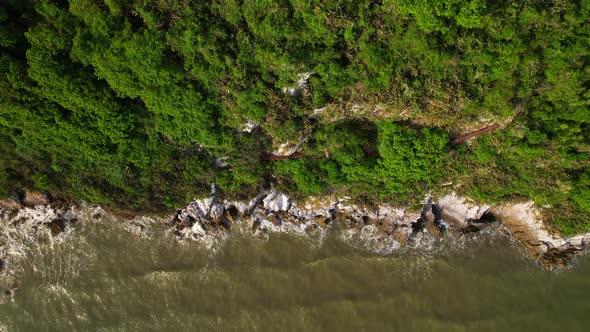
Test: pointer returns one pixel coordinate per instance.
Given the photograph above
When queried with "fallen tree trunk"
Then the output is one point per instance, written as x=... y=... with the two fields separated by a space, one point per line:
x=488 y=129
x=475 y=134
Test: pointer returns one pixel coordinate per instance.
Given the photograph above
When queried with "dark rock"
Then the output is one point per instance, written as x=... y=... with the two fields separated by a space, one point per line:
x=2 y=265
x=57 y=226
x=19 y=221
x=365 y=220
x=418 y=227
x=441 y=226
x=255 y=226
x=332 y=211
x=558 y=257
x=470 y=229
x=233 y=211
x=487 y=217
x=274 y=219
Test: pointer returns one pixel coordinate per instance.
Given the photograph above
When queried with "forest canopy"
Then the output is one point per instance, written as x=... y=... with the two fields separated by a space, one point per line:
x=143 y=104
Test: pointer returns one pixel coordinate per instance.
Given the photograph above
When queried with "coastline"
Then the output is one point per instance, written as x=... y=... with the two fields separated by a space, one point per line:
x=383 y=228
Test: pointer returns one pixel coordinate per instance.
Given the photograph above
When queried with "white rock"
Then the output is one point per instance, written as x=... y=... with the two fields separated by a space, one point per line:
x=198 y=230
x=277 y=202
x=301 y=81
x=249 y=126
x=458 y=210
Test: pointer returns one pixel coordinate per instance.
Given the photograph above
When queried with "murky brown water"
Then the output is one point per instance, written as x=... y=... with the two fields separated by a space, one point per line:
x=102 y=280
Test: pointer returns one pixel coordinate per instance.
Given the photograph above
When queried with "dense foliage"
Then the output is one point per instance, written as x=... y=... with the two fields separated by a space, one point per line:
x=132 y=103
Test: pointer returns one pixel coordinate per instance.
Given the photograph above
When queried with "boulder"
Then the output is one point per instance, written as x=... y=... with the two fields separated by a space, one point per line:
x=57 y=226
x=9 y=204
x=277 y=202
x=34 y=198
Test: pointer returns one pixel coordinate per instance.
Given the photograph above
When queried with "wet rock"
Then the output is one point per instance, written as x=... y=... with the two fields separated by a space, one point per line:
x=365 y=220
x=232 y=212
x=426 y=218
x=57 y=226
x=383 y=225
x=321 y=220
x=439 y=222
x=558 y=257
x=274 y=219
x=198 y=230
x=227 y=220
x=311 y=228
x=470 y=229
x=138 y=229
x=255 y=226
x=34 y=198
x=442 y=227
x=418 y=227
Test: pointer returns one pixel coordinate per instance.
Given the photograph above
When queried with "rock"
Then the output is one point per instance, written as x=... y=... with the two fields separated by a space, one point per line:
x=441 y=226
x=221 y=162
x=558 y=257
x=385 y=226
x=232 y=212
x=34 y=198
x=2 y=265
x=321 y=220
x=301 y=81
x=249 y=126
x=198 y=230
x=525 y=224
x=57 y=226
x=9 y=204
x=274 y=219
x=492 y=215
x=255 y=226
x=457 y=210
x=470 y=229
x=277 y=202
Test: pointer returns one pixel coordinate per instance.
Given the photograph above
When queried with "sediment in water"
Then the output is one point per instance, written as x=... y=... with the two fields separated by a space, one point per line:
x=382 y=229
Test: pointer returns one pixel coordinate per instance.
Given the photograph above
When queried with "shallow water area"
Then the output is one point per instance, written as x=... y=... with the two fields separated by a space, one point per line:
x=104 y=279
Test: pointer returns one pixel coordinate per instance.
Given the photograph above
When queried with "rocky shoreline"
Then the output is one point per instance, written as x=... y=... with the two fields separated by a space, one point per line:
x=33 y=217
